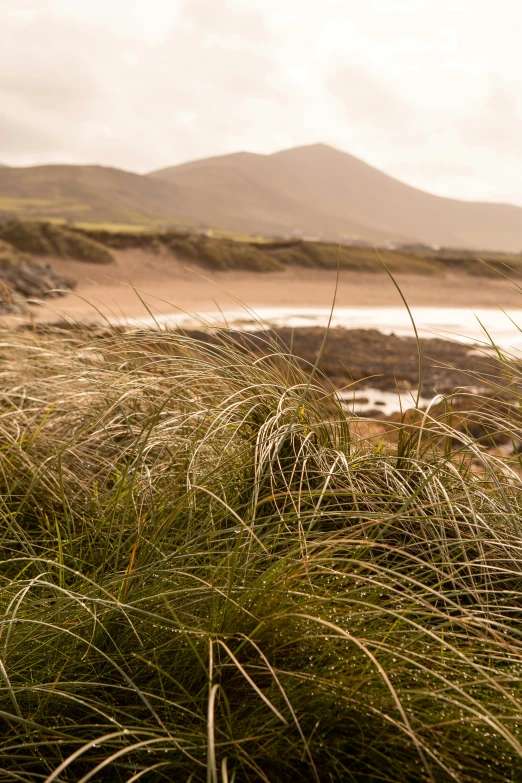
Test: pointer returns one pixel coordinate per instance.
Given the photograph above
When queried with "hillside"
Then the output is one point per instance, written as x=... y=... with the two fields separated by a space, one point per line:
x=315 y=190
x=215 y=197
x=85 y=193
x=249 y=192
x=331 y=192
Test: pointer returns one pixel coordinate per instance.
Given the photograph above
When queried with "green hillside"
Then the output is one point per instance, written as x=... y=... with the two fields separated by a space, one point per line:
x=84 y=193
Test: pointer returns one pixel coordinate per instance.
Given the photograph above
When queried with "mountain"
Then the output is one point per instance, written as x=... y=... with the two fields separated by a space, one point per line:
x=254 y=193
x=314 y=190
x=328 y=192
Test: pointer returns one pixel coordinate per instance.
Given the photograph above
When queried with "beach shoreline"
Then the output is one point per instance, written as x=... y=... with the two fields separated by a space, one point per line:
x=139 y=283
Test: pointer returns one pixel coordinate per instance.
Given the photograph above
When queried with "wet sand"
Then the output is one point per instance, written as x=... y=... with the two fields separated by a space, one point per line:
x=168 y=285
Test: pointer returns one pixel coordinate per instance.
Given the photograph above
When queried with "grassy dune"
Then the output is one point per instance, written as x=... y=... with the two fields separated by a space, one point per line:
x=89 y=242
x=240 y=252
x=42 y=238
x=206 y=576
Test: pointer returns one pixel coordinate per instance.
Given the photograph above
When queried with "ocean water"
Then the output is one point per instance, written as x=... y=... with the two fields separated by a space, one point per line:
x=480 y=325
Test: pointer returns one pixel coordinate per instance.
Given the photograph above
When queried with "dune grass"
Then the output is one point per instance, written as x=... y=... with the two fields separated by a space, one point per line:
x=41 y=238
x=220 y=252
x=95 y=242
x=206 y=576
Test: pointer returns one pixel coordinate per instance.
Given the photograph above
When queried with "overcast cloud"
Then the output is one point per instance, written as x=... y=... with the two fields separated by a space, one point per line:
x=430 y=91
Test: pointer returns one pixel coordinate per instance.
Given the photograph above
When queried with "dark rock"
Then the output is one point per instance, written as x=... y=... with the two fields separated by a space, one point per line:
x=21 y=279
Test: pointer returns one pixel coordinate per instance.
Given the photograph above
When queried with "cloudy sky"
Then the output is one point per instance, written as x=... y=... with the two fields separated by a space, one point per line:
x=428 y=90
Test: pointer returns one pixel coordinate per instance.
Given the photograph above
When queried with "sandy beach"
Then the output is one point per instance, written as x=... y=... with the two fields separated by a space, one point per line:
x=168 y=285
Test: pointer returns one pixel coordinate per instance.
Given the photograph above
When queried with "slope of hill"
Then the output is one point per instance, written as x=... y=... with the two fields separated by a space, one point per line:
x=84 y=193
x=331 y=192
x=249 y=192
x=314 y=190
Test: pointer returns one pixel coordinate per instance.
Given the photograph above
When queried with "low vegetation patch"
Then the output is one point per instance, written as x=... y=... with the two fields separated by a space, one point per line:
x=95 y=244
x=222 y=253
x=205 y=575
x=48 y=239
x=9 y=255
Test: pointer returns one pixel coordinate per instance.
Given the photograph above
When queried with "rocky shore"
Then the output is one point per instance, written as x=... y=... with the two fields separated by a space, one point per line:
x=473 y=383
x=22 y=280
x=379 y=361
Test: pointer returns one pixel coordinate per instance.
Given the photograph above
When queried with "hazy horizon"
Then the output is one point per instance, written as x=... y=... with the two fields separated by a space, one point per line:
x=429 y=94
x=239 y=152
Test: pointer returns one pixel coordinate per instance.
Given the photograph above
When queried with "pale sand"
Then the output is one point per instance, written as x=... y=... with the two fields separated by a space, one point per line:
x=167 y=285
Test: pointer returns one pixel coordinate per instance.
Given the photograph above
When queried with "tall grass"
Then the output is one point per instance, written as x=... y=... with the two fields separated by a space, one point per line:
x=206 y=576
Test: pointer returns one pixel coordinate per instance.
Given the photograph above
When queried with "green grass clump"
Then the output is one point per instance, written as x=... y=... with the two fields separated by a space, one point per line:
x=48 y=239
x=206 y=576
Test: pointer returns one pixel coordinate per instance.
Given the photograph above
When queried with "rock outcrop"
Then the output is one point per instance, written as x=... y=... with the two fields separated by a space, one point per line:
x=22 y=279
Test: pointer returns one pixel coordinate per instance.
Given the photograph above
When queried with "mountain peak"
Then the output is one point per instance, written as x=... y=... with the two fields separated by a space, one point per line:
x=317 y=146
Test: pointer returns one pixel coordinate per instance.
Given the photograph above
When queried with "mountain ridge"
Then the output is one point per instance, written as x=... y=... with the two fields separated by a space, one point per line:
x=353 y=192
x=193 y=163
x=312 y=190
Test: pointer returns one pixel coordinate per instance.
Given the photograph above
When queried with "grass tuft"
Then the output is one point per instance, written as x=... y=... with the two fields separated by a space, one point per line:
x=206 y=575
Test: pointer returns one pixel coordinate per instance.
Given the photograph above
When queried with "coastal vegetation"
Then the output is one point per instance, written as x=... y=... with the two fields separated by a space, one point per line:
x=41 y=238
x=240 y=252
x=206 y=574
x=25 y=271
